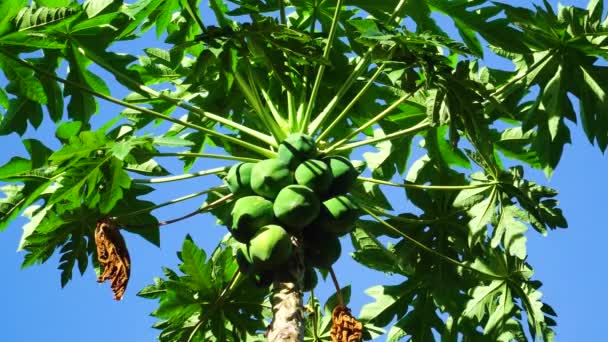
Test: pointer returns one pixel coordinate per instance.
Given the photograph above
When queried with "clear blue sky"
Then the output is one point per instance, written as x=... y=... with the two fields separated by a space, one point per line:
x=569 y=262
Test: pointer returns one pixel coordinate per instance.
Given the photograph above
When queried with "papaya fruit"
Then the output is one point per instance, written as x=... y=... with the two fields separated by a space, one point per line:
x=269 y=176
x=297 y=148
x=338 y=215
x=310 y=279
x=248 y=215
x=343 y=172
x=239 y=179
x=270 y=247
x=243 y=259
x=314 y=174
x=321 y=250
x=296 y=206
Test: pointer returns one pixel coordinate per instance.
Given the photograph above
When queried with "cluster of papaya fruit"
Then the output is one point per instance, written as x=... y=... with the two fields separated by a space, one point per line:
x=299 y=193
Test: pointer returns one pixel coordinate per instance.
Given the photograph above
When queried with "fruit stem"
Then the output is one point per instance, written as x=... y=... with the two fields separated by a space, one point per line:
x=173 y=201
x=321 y=70
x=346 y=109
x=318 y=121
x=255 y=103
x=334 y=279
x=207 y=155
x=430 y=187
x=180 y=177
x=200 y=210
x=340 y=146
x=376 y=118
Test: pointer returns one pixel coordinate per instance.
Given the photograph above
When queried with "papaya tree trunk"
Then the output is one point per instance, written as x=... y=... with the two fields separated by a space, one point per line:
x=288 y=303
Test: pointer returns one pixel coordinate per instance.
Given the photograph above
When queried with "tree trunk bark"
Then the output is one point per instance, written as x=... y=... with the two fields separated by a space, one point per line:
x=287 y=303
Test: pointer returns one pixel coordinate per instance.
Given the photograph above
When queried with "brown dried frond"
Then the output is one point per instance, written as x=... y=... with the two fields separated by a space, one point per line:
x=113 y=256
x=345 y=328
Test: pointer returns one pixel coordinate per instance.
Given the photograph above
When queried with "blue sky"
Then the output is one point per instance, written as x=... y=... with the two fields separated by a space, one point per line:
x=569 y=262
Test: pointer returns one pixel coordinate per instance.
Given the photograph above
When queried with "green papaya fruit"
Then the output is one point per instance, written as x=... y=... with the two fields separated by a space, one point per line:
x=321 y=250
x=343 y=172
x=310 y=279
x=270 y=247
x=296 y=206
x=314 y=174
x=243 y=259
x=297 y=148
x=239 y=179
x=338 y=215
x=269 y=176
x=248 y=215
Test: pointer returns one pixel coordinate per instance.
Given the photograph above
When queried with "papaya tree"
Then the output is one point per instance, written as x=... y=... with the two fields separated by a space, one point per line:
x=315 y=108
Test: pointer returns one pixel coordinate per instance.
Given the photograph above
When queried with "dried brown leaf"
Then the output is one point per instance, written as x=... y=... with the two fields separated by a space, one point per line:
x=345 y=328
x=113 y=256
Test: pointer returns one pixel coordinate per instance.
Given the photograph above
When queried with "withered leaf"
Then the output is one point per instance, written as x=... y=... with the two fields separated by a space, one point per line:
x=113 y=256
x=345 y=328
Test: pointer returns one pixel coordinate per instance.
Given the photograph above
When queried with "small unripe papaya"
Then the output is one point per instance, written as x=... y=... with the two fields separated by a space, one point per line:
x=296 y=206
x=322 y=250
x=269 y=176
x=239 y=179
x=314 y=174
x=270 y=247
x=248 y=215
x=338 y=215
x=297 y=148
x=344 y=174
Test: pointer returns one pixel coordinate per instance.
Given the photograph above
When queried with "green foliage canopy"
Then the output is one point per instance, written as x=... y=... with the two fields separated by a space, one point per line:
x=350 y=74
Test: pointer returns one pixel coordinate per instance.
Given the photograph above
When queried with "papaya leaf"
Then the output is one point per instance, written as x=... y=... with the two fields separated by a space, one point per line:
x=194 y=303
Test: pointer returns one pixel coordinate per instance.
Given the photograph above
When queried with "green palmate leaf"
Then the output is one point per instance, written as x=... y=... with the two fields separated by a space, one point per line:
x=71 y=232
x=497 y=32
x=373 y=254
x=207 y=301
x=133 y=214
x=97 y=7
x=390 y=302
x=458 y=238
x=10 y=9
x=33 y=17
x=54 y=3
x=16 y=199
x=510 y=231
x=139 y=11
x=19 y=112
x=91 y=169
x=35 y=175
x=562 y=53
x=148 y=168
x=424 y=311
x=481 y=215
x=66 y=130
x=3 y=98
x=371 y=195
x=391 y=157
x=486 y=297
x=23 y=82
x=82 y=105
x=496 y=303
